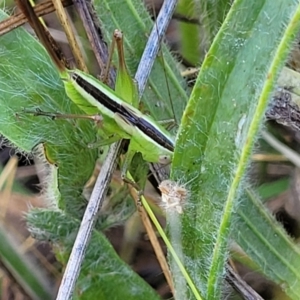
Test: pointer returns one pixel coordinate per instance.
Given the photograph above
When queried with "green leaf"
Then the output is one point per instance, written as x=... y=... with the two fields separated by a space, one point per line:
x=273 y=189
x=203 y=20
x=219 y=128
x=103 y=275
x=265 y=242
x=191 y=47
x=28 y=80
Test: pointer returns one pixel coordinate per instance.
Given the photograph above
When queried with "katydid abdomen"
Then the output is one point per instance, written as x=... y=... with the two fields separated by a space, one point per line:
x=120 y=118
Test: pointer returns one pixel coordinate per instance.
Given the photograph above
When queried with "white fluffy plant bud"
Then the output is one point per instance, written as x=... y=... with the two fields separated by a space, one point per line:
x=173 y=196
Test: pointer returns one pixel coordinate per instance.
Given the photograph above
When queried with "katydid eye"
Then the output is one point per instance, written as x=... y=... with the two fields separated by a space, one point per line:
x=164 y=159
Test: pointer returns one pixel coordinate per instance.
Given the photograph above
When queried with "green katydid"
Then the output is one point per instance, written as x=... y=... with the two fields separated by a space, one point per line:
x=119 y=120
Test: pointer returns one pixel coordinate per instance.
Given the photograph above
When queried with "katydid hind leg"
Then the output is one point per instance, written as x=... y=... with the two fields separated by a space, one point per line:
x=126 y=86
